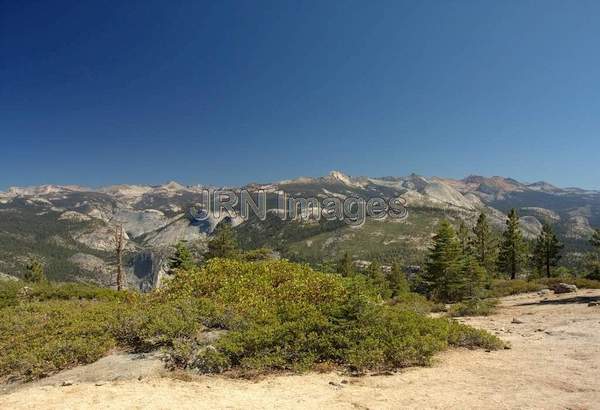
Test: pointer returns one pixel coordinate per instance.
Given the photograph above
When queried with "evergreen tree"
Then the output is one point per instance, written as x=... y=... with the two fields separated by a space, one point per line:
x=595 y=240
x=474 y=277
x=345 y=266
x=512 y=247
x=397 y=281
x=443 y=276
x=483 y=246
x=35 y=272
x=377 y=277
x=546 y=251
x=593 y=259
x=464 y=237
x=223 y=244
x=182 y=258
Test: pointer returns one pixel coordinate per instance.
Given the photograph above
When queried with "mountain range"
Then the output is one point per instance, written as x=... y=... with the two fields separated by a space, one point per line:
x=70 y=228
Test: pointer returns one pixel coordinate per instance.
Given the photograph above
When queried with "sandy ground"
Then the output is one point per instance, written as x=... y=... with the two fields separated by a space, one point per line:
x=554 y=363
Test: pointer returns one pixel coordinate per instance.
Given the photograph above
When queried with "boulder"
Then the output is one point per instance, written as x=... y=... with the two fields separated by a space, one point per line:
x=564 y=288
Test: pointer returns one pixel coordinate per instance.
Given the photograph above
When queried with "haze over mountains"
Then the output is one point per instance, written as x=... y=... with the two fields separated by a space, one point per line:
x=70 y=228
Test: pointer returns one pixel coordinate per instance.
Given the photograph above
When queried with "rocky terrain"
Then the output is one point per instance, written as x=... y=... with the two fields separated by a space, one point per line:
x=71 y=228
x=553 y=363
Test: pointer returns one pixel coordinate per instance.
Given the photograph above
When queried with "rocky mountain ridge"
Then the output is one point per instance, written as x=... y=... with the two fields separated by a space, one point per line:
x=77 y=223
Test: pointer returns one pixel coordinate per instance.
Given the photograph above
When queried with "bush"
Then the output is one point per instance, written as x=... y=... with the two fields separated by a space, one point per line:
x=501 y=287
x=582 y=283
x=461 y=335
x=39 y=338
x=13 y=292
x=289 y=317
x=269 y=315
x=473 y=307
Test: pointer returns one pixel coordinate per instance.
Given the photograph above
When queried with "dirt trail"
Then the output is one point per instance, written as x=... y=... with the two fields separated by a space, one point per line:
x=554 y=363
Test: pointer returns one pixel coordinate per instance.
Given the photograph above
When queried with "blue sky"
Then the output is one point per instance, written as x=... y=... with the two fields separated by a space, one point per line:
x=230 y=92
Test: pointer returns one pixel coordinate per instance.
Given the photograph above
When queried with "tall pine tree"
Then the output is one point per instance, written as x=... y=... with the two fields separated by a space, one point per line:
x=443 y=276
x=345 y=266
x=464 y=236
x=182 y=258
x=546 y=252
x=593 y=263
x=483 y=243
x=398 y=283
x=512 y=248
x=223 y=244
x=377 y=277
x=595 y=240
x=35 y=272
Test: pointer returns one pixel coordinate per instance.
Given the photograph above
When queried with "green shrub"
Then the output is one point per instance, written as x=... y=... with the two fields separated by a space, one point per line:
x=502 y=287
x=291 y=317
x=13 y=292
x=473 y=307
x=270 y=315
x=582 y=283
x=416 y=303
x=40 y=338
x=461 y=335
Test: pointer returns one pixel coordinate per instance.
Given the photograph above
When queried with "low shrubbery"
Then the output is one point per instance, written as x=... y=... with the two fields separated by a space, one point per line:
x=581 y=283
x=270 y=315
x=501 y=287
x=39 y=338
x=473 y=307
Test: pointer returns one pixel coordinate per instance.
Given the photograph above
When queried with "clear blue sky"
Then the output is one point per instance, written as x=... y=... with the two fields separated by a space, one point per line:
x=228 y=92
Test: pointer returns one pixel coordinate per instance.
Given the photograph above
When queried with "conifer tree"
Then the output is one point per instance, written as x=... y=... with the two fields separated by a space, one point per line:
x=512 y=247
x=182 y=258
x=35 y=272
x=464 y=237
x=593 y=264
x=483 y=246
x=377 y=277
x=595 y=240
x=443 y=276
x=345 y=266
x=474 y=277
x=223 y=244
x=398 y=283
x=546 y=252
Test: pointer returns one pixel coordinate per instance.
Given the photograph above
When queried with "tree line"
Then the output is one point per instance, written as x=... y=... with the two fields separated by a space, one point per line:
x=462 y=260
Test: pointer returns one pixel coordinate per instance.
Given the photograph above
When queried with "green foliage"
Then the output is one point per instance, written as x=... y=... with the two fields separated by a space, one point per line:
x=595 y=239
x=512 y=248
x=582 y=283
x=546 y=251
x=345 y=266
x=415 y=303
x=593 y=271
x=473 y=307
x=270 y=314
x=223 y=244
x=465 y=336
x=13 y=293
x=39 y=338
x=287 y=316
x=35 y=272
x=260 y=254
x=182 y=258
x=451 y=274
x=464 y=237
x=398 y=284
x=483 y=243
x=503 y=287
x=378 y=279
